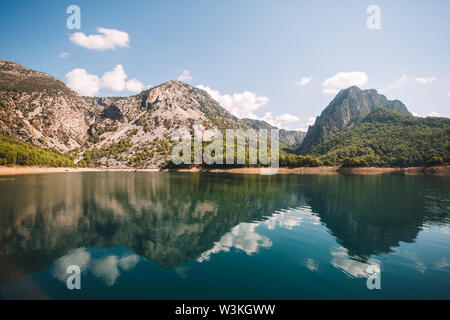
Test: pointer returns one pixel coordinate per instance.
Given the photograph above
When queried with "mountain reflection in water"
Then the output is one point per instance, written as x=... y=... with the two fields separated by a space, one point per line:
x=53 y=221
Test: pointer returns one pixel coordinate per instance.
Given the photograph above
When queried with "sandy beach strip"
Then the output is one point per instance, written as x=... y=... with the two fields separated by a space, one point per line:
x=435 y=171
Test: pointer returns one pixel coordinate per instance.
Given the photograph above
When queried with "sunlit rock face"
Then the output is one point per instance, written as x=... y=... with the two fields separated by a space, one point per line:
x=40 y=109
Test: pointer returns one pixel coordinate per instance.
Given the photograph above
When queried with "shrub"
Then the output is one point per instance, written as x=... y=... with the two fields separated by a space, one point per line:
x=354 y=163
x=435 y=161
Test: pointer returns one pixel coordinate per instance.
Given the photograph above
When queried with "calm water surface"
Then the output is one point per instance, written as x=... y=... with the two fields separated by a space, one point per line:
x=188 y=236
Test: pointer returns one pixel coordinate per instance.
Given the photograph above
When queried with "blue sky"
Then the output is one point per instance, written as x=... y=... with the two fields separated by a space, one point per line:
x=250 y=55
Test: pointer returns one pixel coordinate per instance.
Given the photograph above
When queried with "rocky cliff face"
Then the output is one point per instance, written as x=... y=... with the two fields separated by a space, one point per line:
x=40 y=109
x=117 y=132
x=349 y=105
x=288 y=137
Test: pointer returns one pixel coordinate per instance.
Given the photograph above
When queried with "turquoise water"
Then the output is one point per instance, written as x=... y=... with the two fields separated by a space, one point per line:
x=214 y=236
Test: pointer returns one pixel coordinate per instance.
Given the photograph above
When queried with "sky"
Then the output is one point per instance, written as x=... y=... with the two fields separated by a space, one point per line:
x=280 y=61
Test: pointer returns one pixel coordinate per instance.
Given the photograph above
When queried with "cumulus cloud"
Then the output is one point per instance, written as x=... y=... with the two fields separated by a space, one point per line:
x=89 y=84
x=108 y=268
x=284 y=220
x=279 y=121
x=344 y=80
x=425 y=80
x=303 y=81
x=78 y=257
x=134 y=85
x=82 y=82
x=242 y=105
x=242 y=237
x=116 y=81
x=185 y=76
x=107 y=39
x=353 y=268
x=64 y=55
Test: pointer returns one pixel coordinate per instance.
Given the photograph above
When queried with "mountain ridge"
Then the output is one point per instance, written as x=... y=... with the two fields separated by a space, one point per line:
x=40 y=109
x=288 y=137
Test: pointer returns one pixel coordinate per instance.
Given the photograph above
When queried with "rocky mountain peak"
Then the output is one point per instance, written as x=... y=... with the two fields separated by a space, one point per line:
x=349 y=105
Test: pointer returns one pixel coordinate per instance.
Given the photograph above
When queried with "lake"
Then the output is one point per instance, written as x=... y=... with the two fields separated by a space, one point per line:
x=220 y=236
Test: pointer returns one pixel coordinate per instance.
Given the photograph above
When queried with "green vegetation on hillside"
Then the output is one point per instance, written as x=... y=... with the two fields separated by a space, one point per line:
x=15 y=152
x=293 y=161
x=354 y=163
x=436 y=161
x=388 y=138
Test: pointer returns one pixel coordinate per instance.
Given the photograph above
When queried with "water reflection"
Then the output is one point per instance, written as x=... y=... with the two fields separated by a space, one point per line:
x=176 y=218
x=107 y=268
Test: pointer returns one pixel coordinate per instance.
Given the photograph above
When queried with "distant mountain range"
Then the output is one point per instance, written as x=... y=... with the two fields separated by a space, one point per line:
x=288 y=137
x=135 y=131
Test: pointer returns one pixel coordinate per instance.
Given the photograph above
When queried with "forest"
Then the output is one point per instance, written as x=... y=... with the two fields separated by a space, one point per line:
x=386 y=138
x=15 y=152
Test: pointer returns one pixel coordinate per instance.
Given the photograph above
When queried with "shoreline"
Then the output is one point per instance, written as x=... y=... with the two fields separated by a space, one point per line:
x=432 y=171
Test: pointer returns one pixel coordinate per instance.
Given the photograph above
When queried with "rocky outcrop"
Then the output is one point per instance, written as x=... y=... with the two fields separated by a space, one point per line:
x=348 y=106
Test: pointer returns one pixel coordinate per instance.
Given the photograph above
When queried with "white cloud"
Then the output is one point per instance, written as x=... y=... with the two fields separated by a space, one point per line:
x=425 y=80
x=128 y=262
x=306 y=125
x=64 y=55
x=303 y=81
x=448 y=94
x=108 y=39
x=279 y=121
x=431 y=114
x=79 y=257
x=343 y=80
x=115 y=79
x=106 y=269
x=242 y=237
x=185 y=76
x=89 y=84
x=312 y=265
x=397 y=83
x=134 y=85
x=82 y=82
x=242 y=105
x=353 y=268
x=284 y=220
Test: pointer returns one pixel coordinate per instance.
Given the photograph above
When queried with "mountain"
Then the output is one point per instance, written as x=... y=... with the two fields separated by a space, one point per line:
x=288 y=137
x=116 y=131
x=38 y=108
x=348 y=106
x=388 y=138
